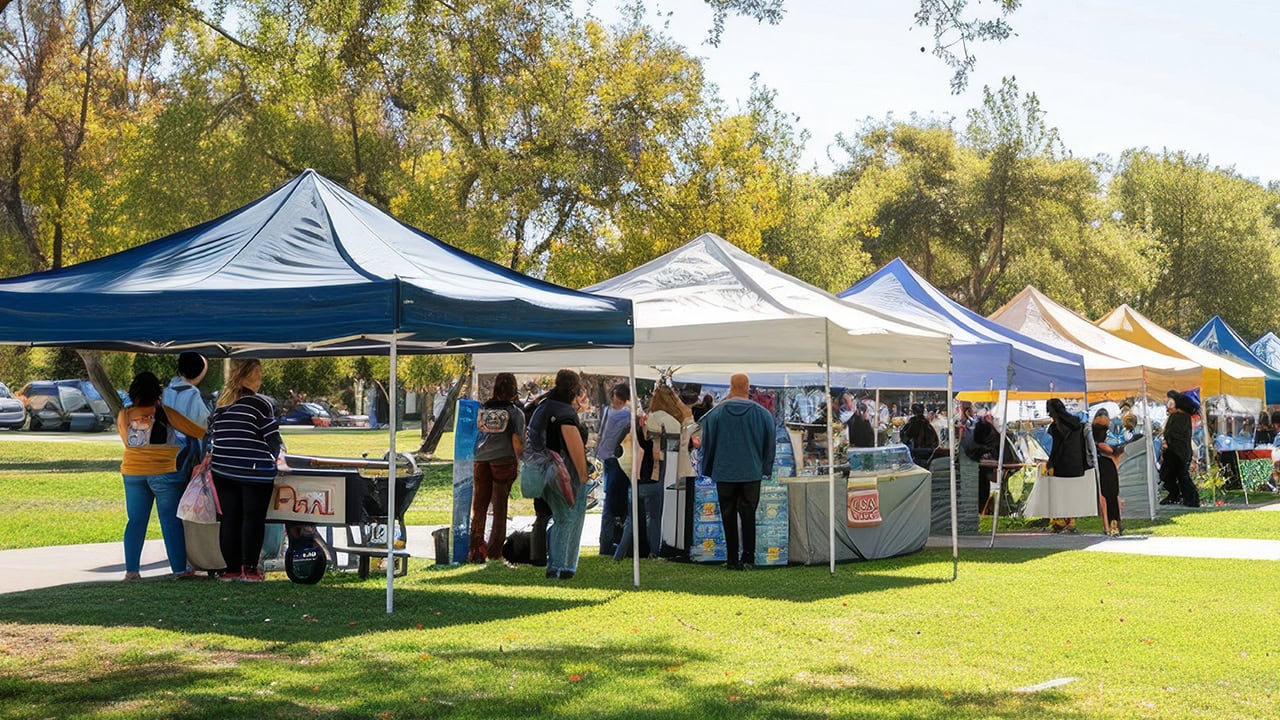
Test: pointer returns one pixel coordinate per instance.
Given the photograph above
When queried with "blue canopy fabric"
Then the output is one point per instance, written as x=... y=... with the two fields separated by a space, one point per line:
x=1218 y=337
x=985 y=355
x=308 y=269
x=1267 y=349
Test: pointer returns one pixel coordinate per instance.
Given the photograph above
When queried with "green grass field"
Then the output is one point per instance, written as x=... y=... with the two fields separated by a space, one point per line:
x=1143 y=637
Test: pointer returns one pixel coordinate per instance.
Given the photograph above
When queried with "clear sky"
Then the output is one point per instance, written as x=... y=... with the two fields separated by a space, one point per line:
x=1191 y=75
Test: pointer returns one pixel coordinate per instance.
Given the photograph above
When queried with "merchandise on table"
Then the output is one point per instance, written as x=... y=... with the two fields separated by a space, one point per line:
x=880 y=460
x=772 y=525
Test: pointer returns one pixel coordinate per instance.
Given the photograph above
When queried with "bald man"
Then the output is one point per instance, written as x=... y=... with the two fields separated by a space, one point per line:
x=737 y=453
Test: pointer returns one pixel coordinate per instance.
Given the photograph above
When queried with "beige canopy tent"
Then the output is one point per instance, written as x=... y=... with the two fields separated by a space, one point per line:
x=1114 y=368
x=1219 y=375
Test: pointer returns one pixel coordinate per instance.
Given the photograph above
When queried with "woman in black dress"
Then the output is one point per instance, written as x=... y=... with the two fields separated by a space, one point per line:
x=1108 y=474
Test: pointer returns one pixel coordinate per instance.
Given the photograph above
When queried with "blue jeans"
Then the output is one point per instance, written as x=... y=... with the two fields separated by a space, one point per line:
x=614 y=508
x=564 y=539
x=166 y=490
x=650 y=497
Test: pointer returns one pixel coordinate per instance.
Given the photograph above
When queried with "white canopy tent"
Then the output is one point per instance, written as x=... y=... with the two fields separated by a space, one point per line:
x=1114 y=368
x=709 y=307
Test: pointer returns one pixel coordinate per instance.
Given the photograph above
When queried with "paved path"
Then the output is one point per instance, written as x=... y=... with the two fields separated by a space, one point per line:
x=1188 y=547
x=35 y=568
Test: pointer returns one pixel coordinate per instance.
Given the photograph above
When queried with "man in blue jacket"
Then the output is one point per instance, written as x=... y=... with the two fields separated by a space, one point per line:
x=737 y=453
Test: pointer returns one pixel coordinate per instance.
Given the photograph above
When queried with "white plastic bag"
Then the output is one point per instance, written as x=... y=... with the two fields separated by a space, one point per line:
x=199 y=503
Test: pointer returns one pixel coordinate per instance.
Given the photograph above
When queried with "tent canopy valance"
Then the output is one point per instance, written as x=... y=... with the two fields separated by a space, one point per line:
x=1219 y=375
x=1217 y=336
x=709 y=307
x=307 y=269
x=1115 y=368
x=987 y=355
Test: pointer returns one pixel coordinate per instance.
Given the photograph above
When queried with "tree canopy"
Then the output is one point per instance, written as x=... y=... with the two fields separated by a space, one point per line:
x=571 y=149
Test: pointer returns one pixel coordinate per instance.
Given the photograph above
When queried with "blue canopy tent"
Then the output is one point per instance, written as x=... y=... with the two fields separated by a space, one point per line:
x=986 y=356
x=308 y=269
x=1218 y=337
x=1267 y=349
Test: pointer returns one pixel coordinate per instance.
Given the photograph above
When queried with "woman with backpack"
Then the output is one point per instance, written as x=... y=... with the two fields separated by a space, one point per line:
x=150 y=473
x=501 y=425
x=554 y=426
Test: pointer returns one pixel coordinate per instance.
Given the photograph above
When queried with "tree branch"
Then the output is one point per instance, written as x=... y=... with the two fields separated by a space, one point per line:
x=199 y=17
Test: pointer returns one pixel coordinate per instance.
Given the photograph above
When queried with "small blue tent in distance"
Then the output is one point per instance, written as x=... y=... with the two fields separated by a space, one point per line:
x=308 y=269
x=1218 y=337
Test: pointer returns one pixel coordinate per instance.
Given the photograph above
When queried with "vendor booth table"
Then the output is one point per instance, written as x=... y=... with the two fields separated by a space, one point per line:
x=904 y=512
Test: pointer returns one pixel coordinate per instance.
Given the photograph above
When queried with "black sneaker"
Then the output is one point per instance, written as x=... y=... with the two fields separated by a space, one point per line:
x=566 y=574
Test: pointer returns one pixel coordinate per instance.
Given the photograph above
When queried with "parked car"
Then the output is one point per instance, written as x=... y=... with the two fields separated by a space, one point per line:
x=307 y=413
x=96 y=400
x=342 y=418
x=58 y=407
x=12 y=413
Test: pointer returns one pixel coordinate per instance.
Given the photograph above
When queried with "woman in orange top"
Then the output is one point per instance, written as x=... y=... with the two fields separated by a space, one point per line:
x=150 y=473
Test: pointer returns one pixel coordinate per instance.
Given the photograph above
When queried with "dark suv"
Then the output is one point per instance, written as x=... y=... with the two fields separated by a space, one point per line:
x=54 y=407
x=100 y=406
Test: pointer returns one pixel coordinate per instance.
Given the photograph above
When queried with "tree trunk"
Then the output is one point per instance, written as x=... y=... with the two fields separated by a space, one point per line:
x=445 y=420
x=101 y=382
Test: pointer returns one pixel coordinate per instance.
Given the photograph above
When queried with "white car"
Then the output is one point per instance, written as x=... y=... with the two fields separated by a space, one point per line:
x=12 y=412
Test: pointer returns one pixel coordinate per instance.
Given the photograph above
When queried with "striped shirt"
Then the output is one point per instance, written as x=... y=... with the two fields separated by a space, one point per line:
x=246 y=440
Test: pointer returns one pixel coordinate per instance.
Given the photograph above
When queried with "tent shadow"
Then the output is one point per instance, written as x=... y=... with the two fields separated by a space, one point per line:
x=570 y=680
x=63 y=466
x=277 y=611
x=791 y=583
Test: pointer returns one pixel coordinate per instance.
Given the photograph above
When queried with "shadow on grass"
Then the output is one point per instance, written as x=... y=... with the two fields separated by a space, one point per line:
x=593 y=681
x=792 y=583
x=66 y=466
x=277 y=611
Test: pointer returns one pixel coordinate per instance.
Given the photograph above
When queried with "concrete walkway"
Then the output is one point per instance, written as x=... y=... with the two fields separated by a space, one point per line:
x=1136 y=544
x=35 y=568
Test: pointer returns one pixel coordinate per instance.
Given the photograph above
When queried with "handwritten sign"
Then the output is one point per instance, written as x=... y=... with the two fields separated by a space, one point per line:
x=319 y=499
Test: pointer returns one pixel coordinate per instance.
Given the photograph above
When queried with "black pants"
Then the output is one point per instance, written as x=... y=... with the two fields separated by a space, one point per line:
x=738 y=503
x=538 y=537
x=1175 y=475
x=244 y=517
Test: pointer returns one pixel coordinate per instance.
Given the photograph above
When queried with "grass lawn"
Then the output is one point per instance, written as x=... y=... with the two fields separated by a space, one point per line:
x=1144 y=637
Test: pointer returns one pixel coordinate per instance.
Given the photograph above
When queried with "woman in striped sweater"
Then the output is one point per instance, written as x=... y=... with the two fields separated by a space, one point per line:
x=246 y=445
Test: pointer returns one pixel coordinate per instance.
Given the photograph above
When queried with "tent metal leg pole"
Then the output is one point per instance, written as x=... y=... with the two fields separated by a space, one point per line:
x=1097 y=474
x=635 y=470
x=1151 y=447
x=831 y=470
x=875 y=441
x=391 y=481
x=953 y=442
x=999 y=483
